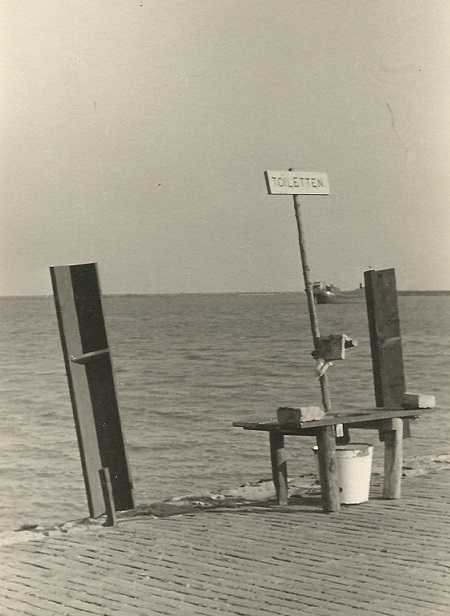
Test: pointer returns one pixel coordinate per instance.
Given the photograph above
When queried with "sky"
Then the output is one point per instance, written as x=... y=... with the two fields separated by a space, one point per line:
x=136 y=134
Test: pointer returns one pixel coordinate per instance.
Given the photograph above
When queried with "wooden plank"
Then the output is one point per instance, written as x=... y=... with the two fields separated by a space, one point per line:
x=279 y=466
x=326 y=446
x=393 y=460
x=385 y=337
x=91 y=383
x=370 y=415
x=78 y=387
x=380 y=424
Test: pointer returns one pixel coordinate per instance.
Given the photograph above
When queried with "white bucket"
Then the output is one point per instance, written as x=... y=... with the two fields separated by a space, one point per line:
x=354 y=467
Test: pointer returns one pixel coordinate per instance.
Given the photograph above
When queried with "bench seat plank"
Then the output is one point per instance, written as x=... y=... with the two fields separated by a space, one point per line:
x=331 y=419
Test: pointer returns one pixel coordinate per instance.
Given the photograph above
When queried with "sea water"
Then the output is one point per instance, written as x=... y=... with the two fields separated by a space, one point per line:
x=186 y=367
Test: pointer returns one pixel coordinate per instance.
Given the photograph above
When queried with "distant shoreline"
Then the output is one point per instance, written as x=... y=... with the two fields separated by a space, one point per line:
x=175 y=293
x=423 y=292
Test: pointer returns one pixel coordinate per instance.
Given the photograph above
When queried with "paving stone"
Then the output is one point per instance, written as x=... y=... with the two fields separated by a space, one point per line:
x=382 y=558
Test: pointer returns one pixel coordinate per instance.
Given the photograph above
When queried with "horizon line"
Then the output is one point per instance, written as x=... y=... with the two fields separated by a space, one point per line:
x=146 y=294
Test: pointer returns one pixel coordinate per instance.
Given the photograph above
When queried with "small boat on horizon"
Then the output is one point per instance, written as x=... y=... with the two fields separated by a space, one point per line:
x=326 y=293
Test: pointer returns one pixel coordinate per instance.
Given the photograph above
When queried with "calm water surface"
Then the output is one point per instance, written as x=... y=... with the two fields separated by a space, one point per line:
x=186 y=366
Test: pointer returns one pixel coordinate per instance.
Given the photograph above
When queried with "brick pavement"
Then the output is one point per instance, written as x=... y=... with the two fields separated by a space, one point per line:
x=383 y=558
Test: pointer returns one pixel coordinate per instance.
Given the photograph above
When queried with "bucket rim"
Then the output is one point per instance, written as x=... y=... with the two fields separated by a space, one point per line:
x=350 y=447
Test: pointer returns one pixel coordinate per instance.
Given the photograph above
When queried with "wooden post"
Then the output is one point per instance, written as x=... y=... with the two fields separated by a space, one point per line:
x=326 y=438
x=279 y=466
x=393 y=459
x=90 y=377
x=110 y=511
x=310 y=299
x=326 y=450
x=385 y=339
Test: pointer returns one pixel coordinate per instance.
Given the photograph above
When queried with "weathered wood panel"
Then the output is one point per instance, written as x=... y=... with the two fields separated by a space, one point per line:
x=91 y=383
x=359 y=417
x=78 y=387
x=385 y=337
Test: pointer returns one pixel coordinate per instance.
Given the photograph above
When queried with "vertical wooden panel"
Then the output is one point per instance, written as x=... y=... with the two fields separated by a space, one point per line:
x=91 y=383
x=78 y=387
x=385 y=337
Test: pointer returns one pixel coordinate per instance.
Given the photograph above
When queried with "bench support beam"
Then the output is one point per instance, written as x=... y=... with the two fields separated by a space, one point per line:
x=279 y=466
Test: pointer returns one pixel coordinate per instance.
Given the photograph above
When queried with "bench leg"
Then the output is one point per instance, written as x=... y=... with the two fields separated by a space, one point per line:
x=279 y=466
x=393 y=459
x=326 y=451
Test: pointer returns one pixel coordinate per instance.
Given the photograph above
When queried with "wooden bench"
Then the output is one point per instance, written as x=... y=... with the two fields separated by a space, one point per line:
x=389 y=423
x=390 y=417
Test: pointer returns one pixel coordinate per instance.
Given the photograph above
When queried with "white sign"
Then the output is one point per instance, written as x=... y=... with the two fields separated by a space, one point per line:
x=297 y=183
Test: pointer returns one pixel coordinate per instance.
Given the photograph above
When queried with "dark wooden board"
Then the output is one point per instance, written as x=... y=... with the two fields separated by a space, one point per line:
x=385 y=337
x=91 y=383
x=371 y=415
